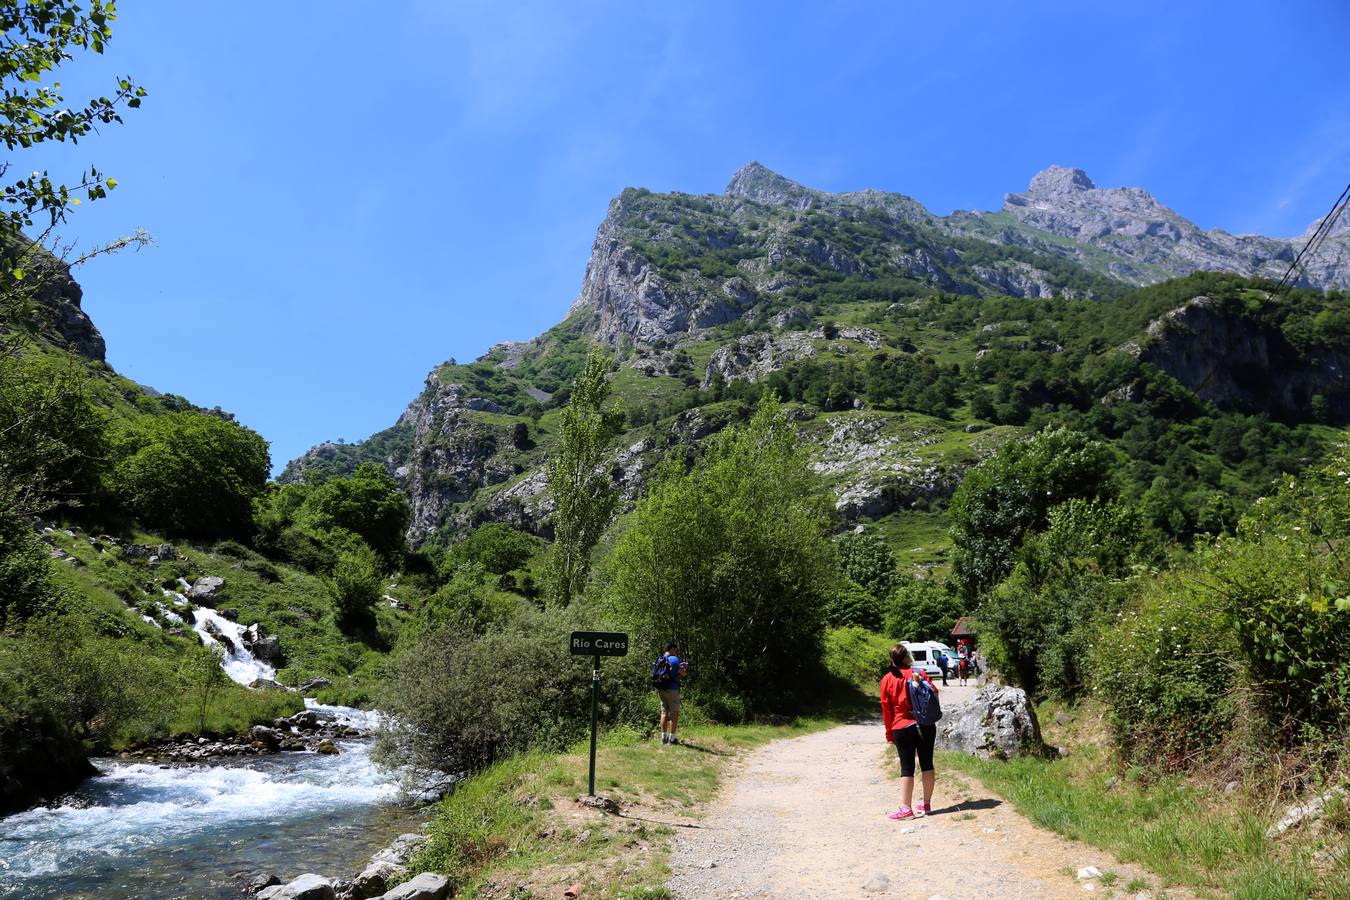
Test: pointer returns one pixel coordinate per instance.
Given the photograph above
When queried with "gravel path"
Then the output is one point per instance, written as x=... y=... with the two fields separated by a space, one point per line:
x=806 y=817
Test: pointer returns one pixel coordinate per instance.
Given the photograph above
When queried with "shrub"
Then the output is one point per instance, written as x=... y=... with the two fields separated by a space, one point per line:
x=497 y=547
x=856 y=655
x=460 y=701
x=1165 y=667
x=356 y=583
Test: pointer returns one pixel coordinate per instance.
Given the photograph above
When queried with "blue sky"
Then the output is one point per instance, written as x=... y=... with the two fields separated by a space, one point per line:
x=345 y=194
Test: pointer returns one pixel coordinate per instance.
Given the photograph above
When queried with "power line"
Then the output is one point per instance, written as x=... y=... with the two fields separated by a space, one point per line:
x=1318 y=236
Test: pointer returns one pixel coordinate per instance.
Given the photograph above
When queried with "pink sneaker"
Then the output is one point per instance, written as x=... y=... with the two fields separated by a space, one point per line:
x=921 y=808
x=903 y=812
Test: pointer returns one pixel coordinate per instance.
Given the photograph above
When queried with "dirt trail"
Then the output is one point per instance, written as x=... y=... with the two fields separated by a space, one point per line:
x=806 y=817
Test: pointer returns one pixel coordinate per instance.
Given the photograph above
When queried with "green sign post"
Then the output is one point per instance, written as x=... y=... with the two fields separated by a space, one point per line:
x=597 y=644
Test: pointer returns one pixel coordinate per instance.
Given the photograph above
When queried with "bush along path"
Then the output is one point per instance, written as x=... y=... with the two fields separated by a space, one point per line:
x=806 y=817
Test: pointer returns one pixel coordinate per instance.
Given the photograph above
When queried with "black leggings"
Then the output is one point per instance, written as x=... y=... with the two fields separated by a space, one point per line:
x=908 y=740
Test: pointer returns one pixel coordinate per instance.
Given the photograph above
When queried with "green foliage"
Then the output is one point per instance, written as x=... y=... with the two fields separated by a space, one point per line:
x=730 y=560
x=495 y=546
x=203 y=679
x=1066 y=584
x=356 y=583
x=866 y=558
x=1164 y=666
x=188 y=473
x=85 y=679
x=25 y=579
x=856 y=655
x=312 y=524
x=51 y=436
x=1285 y=585
x=922 y=610
x=583 y=494
x=39 y=37
x=852 y=604
x=460 y=701
x=1008 y=496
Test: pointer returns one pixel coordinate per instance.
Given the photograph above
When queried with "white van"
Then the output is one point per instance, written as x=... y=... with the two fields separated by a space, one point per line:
x=924 y=654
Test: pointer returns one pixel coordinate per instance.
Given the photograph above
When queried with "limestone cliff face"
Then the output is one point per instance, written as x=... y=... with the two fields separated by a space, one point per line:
x=60 y=318
x=629 y=299
x=1228 y=360
x=455 y=454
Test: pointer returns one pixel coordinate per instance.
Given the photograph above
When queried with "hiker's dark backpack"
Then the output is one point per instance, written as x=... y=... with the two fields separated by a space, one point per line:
x=924 y=707
x=663 y=673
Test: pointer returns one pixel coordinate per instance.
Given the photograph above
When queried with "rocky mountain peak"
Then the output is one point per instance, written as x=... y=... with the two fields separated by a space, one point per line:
x=756 y=182
x=1057 y=180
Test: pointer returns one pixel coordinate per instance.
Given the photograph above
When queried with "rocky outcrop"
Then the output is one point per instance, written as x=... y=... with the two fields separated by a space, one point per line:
x=1153 y=242
x=629 y=299
x=56 y=300
x=455 y=454
x=877 y=469
x=1232 y=361
x=998 y=724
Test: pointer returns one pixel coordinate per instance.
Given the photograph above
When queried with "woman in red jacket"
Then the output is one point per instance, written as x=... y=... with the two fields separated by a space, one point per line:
x=908 y=736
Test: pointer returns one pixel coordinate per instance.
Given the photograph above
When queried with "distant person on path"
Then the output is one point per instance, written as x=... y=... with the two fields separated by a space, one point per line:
x=908 y=736
x=943 y=662
x=666 y=679
x=963 y=669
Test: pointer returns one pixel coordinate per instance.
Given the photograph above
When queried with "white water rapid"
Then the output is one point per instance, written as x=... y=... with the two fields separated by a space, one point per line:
x=143 y=830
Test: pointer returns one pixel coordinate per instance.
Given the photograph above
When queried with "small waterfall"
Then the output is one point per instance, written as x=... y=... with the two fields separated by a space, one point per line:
x=233 y=639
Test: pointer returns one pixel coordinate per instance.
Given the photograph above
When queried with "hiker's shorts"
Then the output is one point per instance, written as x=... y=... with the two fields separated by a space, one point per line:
x=915 y=739
x=670 y=701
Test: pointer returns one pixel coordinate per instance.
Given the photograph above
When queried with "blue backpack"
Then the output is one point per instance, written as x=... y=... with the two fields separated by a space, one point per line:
x=924 y=707
x=663 y=673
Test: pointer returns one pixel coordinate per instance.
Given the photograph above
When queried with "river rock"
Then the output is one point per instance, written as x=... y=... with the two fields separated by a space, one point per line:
x=427 y=886
x=326 y=747
x=259 y=882
x=268 y=649
x=305 y=720
x=401 y=850
x=314 y=684
x=206 y=588
x=268 y=737
x=374 y=878
x=306 y=887
x=998 y=724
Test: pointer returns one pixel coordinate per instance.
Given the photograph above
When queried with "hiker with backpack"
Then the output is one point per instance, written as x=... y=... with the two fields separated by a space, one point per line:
x=666 y=672
x=943 y=663
x=909 y=712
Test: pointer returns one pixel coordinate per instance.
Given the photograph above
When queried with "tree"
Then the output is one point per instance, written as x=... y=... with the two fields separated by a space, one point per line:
x=921 y=610
x=1010 y=495
x=731 y=559
x=189 y=473
x=866 y=558
x=39 y=37
x=495 y=546
x=367 y=503
x=201 y=671
x=356 y=584
x=583 y=493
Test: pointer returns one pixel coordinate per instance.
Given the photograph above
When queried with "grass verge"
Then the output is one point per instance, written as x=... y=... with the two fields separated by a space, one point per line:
x=1187 y=834
x=517 y=830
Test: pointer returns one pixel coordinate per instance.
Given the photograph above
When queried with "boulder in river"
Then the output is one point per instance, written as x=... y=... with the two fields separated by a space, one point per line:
x=258 y=882
x=427 y=886
x=306 y=887
x=998 y=724
x=268 y=737
x=315 y=684
x=268 y=649
x=326 y=747
x=206 y=588
x=305 y=720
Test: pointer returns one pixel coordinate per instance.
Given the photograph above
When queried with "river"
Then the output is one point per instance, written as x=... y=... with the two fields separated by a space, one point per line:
x=202 y=831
